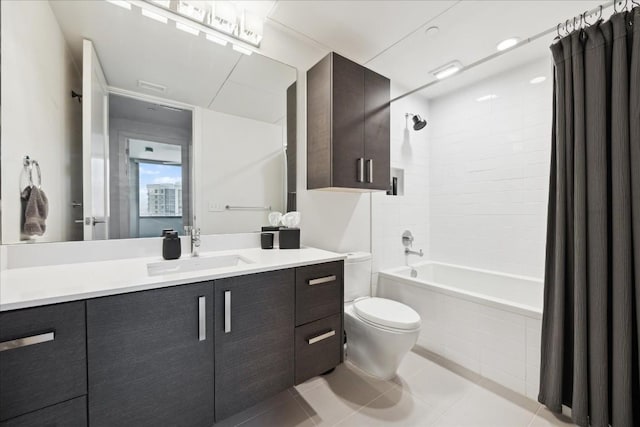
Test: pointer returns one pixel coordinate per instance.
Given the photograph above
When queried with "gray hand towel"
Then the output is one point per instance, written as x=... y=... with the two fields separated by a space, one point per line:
x=35 y=210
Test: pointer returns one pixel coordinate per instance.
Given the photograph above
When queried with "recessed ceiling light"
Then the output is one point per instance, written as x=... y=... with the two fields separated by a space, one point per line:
x=508 y=43
x=154 y=16
x=432 y=31
x=447 y=70
x=487 y=97
x=241 y=49
x=123 y=4
x=218 y=40
x=187 y=28
x=536 y=80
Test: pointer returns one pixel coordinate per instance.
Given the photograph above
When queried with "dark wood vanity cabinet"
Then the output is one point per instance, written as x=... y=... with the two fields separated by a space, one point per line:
x=254 y=334
x=42 y=359
x=155 y=357
x=151 y=357
x=319 y=319
x=348 y=126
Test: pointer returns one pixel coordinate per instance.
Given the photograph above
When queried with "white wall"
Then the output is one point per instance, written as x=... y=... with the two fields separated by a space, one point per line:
x=392 y=215
x=239 y=162
x=489 y=172
x=38 y=75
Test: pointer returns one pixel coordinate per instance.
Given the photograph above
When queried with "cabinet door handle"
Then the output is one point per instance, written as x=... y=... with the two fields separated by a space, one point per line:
x=361 y=169
x=369 y=170
x=202 y=318
x=322 y=336
x=227 y=312
x=321 y=280
x=23 y=342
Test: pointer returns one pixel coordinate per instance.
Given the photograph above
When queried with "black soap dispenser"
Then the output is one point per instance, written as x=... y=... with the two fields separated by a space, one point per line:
x=171 y=247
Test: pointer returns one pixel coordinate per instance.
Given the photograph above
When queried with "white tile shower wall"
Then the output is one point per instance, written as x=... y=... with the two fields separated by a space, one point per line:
x=489 y=172
x=391 y=215
x=494 y=343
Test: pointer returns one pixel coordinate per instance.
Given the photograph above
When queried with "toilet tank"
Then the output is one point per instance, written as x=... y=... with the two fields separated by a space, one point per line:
x=357 y=275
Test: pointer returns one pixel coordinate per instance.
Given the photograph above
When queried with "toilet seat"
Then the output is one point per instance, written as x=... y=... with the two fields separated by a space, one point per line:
x=387 y=313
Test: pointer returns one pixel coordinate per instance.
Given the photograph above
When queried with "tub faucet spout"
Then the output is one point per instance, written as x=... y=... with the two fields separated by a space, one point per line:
x=408 y=252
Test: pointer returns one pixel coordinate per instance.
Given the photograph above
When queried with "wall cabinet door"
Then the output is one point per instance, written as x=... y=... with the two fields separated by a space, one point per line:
x=377 y=131
x=348 y=123
x=254 y=339
x=150 y=358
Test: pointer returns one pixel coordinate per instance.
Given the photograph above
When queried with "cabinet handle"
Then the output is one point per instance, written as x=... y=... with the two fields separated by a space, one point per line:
x=227 y=312
x=202 y=318
x=361 y=169
x=23 y=342
x=322 y=280
x=370 y=170
x=321 y=337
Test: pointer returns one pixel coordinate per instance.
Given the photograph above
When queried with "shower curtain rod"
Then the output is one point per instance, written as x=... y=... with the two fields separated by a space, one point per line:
x=519 y=45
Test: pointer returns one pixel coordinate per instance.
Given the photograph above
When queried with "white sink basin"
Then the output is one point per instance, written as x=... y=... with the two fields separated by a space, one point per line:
x=195 y=264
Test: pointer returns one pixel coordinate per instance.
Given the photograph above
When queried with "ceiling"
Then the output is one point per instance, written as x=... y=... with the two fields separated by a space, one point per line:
x=389 y=36
x=194 y=70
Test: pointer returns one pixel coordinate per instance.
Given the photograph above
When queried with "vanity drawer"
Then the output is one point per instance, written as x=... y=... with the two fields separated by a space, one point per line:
x=42 y=357
x=318 y=347
x=72 y=413
x=319 y=291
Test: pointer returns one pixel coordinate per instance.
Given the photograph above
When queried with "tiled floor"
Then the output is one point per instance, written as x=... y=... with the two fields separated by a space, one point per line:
x=424 y=393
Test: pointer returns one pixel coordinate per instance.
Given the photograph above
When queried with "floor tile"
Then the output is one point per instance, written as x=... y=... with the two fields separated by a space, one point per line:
x=342 y=392
x=436 y=386
x=289 y=414
x=264 y=406
x=489 y=405
x=397 y=407
x=546 y=418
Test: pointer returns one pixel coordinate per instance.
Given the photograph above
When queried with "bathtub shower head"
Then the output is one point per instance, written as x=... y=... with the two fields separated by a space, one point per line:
x=418 y=122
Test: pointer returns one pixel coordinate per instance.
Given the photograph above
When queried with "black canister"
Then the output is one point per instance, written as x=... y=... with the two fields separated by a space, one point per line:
x=289 y=238
x=266 y=240
x=171 y=248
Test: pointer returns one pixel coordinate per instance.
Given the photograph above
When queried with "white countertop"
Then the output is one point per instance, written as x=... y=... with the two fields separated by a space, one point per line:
x=34 y=286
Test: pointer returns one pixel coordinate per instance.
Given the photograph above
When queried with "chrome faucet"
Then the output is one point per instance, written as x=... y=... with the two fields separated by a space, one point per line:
x=194 y=235
x=407 y=241
x=408 y=251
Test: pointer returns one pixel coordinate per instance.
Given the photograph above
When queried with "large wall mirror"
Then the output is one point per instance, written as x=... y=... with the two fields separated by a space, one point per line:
x=122 y=122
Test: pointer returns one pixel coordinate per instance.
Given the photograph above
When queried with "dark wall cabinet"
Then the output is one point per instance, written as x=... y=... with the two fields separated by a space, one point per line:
x=151 y=358
x=348 y=126
x=185 y=355
x=254 y=324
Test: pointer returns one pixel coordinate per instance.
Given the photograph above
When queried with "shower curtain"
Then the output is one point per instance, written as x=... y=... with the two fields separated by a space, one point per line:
x=591 y=322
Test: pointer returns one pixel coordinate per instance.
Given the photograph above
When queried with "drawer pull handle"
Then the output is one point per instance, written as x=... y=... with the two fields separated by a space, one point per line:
x=23 y=342
x=321 y=337
x=322 y=280
x=202 y=318
x=227 y=312
x=360 y=168
x=370 y=170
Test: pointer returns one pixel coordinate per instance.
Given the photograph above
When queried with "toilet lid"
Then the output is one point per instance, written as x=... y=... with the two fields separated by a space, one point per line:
x=386 y=312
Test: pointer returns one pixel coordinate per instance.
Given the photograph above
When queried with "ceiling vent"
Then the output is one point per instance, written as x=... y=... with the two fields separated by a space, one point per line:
x=151 y=86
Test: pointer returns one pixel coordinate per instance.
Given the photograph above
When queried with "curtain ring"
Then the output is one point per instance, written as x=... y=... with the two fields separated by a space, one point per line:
x=558 y=29
x=615 y=7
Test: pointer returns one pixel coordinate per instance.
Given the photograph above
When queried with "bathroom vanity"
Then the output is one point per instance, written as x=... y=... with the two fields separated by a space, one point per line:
x=125 y=346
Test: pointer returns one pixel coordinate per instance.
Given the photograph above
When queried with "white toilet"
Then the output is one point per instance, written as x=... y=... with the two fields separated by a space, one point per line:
x=380 y=332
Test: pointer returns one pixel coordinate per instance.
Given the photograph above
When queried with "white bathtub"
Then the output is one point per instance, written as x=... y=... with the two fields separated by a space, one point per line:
x=488 y=322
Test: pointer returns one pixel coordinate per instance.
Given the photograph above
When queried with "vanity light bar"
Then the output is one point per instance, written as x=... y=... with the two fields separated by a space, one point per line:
x=121 y=3
x=241 y=49
x=154 y=16
x=187 y=28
